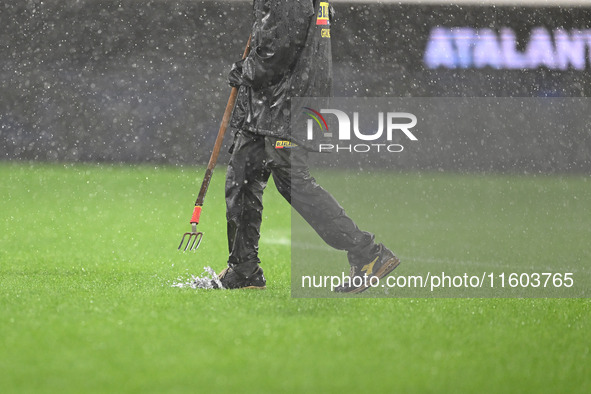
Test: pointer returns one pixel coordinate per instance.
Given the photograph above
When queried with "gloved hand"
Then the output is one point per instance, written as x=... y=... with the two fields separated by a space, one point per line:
x=235 y=76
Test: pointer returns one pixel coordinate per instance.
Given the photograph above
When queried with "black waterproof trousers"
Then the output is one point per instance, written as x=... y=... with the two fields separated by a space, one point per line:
x=254 y=159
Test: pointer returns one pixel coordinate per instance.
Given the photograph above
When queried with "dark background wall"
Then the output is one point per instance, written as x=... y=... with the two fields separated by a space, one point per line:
x=144 y=81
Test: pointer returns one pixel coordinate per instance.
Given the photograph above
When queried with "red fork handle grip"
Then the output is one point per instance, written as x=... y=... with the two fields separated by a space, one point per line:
x=196 y=215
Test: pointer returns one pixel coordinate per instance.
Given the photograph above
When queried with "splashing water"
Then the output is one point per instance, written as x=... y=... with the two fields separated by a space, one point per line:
x=205 y=281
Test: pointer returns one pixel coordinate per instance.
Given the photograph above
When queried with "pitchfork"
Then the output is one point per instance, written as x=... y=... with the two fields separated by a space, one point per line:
x=194 y=237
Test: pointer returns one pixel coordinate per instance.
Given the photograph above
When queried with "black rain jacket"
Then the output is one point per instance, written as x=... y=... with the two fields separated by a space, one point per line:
x=290 y=56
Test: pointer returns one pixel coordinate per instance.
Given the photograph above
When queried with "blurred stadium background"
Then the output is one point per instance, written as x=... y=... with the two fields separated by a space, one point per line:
x=144 y=81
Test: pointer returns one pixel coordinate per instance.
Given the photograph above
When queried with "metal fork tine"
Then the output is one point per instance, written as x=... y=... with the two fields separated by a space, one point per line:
x=182 y=240
x=196 y=241
x=199 y=236
x=193 y=241
x=188 y=247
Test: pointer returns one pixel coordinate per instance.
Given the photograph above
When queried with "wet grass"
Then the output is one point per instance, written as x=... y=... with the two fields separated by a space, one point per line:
x=88 y=256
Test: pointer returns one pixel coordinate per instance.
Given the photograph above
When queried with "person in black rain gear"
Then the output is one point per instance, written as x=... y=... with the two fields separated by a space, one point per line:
x=290 y=56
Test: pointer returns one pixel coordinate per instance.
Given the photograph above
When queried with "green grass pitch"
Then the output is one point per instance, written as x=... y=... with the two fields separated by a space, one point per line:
x=88 y=255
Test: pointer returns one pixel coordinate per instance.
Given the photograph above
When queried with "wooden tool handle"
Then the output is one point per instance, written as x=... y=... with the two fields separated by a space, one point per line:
x=220 y=138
